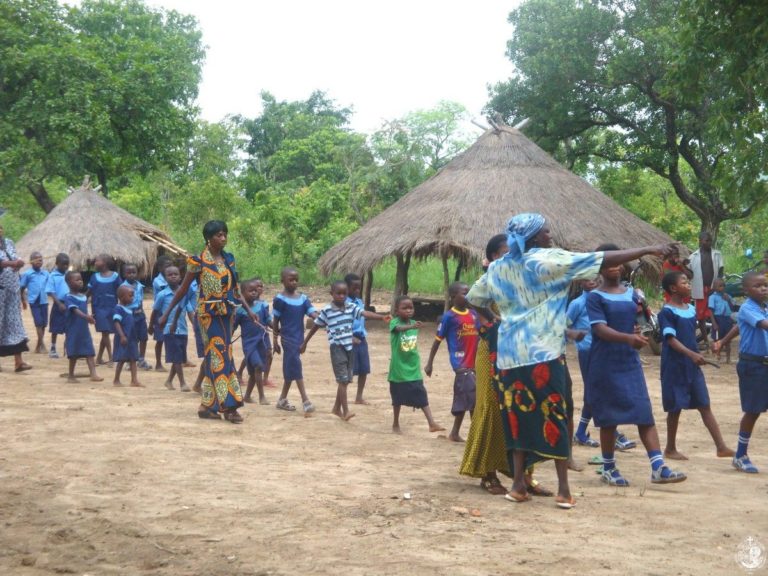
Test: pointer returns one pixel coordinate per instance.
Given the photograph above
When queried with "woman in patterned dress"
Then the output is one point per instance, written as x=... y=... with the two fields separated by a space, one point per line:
x=13 y=337
x=218 y=297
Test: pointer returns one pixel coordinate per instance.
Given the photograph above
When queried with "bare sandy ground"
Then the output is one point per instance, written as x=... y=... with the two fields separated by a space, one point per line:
x=101 y=480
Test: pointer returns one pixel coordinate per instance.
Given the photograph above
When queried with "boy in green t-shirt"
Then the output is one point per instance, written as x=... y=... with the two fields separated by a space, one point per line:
x=405 y=383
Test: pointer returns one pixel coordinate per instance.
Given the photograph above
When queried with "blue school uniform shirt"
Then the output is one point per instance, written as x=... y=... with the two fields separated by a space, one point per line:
x=338 y=323
x=719 y=305
x=56 y=285
x=578 y=319
x=251 y=332
x=291 y=312
x=138 y=295
x=161 y=305
x=358 y=326
x=35 y=281
x=753 y=340
x=158 y=285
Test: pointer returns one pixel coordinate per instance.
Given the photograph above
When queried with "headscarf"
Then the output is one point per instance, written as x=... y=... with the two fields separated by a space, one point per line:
x=520 y=229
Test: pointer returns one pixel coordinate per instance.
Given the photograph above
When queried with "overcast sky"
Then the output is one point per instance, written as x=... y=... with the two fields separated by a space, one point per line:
x=383 y=59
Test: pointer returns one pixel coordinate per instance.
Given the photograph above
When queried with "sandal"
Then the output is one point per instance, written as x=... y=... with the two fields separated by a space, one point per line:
x=233 y=416
x=516 y=498
x=283 y=404
x=561 y=502
x=613 y=477
x=208 y=415
x=23 y=367
x=665 y=475
x=536 y=489
x=493 y=486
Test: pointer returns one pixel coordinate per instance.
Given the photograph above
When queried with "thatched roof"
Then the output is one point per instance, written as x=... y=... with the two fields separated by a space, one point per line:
x=455 y=212
x=86 y=224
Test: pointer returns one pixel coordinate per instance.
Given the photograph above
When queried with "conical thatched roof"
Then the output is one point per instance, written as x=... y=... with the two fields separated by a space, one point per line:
x=86 y=224
x=455 y=212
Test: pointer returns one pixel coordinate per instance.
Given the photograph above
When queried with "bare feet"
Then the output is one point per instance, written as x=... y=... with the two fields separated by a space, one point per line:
x=197 y=388
x=269 y=384
x=362 y=401
x=264 y=402
x=435 y=427
x=248 y=400
x=575 y=466
x=117 y=383
x=137 y=384
x=725 y=453
x=185 y=388
x=674 y=455
x=455 y=438
x=97 y=379
x=160 y=368
x=396 y=430
x=188 y=365
x=169 y=385
x=349 y=416
x=338 y=413
x=72 y=380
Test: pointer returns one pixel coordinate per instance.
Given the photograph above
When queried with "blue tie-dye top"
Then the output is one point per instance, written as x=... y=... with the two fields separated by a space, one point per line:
x=531 y=291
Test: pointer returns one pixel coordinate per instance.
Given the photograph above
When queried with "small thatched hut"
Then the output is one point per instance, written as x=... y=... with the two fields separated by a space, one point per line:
x=86 y=224
x=454 y=213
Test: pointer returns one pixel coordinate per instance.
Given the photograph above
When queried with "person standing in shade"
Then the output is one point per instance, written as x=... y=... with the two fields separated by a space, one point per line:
x=707 y=265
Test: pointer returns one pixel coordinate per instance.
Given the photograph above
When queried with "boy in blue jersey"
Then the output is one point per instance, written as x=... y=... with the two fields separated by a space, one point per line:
x=57 y=289
x=175 y=333
x=361 y=361
x=33 y=283
x=130 y=275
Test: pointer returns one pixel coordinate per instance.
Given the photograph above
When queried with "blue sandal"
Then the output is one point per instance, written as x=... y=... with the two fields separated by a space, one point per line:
x=613 y=477
x=586 y=441
x=665 y=475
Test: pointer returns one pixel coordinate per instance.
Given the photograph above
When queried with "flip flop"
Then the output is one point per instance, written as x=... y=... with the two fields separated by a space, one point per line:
x=493 y=486
x=536 y=489
x=23 y=367
x=560 y=502
x=595 y=460
x=512 y=498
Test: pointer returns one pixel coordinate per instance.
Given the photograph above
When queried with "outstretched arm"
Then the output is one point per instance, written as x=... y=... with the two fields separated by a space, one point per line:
x=432 y=353
x=615 y=257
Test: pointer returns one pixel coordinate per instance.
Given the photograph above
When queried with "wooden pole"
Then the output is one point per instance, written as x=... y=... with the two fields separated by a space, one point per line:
x=446 y=281
x=368 y=287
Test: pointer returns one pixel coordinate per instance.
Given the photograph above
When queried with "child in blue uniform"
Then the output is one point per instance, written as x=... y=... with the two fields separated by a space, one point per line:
x=175 y=332
x=615 y=388
x=361 y=361
x=721 y=308
x=257 y=347
x=682 y=382
x=78 y=343
x=130 y=275
x=126 y=348
x=33 y=283
x=158 y=285
x=102 y=289
x=289 y=309
x=57 y=289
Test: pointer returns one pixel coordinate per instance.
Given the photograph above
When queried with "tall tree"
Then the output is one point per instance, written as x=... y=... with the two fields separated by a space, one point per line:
x=640 y=82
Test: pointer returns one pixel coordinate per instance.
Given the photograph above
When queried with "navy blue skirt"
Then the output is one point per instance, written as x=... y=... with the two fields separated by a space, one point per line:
x=175 y=348
x=58 y=321
x=361 y=361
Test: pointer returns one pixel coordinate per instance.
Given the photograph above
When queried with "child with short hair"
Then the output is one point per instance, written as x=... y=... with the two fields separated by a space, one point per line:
x=78 y=342
x=460 y=326
x=57 y=289
x=672 y=263
x=288 y=310
x=102 y=288
x=130 y=279
x=257 y=346
x=175 y=332
x=338 y=319
x=158 y=285
x=126 y=347
x=361 y=361
x=32 y=283
x=682 y=382
x=721 y=308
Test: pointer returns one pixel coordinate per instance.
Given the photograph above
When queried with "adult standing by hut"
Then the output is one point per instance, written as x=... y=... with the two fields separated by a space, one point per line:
x=530 y=285
x=707 y=265
x=13 y=337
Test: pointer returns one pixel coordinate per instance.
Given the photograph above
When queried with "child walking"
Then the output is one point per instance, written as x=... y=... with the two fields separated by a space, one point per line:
x=126 y=347
x=682 y=382
x=158 y=285
x=78 y=343
x=175 y=332
x=406 y=387
x=257 y=346
x=288 y=310
x=102 y=288
x=361 y=361
x=130 y=276
x=57 y=289
x=721 y=308
x=615 y=387
x=338 y=319
x=460 y=326
x=33 y=283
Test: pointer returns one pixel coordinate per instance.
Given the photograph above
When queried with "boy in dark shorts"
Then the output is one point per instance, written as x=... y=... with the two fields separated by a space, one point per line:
x=33 y=282
x=57 y=289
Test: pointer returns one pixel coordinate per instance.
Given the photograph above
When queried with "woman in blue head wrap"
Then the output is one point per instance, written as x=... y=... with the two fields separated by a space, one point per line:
x=529 y=285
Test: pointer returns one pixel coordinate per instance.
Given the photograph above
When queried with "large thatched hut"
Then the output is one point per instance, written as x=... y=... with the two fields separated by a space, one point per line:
x=87 y=224
x=454 y=213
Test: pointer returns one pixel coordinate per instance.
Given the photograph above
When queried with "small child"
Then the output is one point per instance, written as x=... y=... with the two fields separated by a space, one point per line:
x=57 y=289
x=682 y=382
x=126 y=347
x=33 y=283
x=175 y=332
x=338 y=319
x=361 y=361
x=102 y=288
x=406 y=387
x=257 y=346
x=289 y=308
x=460 y=326
x=721 y=308
x=130 y=275
x=158 y=285
x=78 y=343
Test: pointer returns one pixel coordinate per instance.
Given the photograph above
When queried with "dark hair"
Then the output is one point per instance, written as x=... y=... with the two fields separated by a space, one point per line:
x=749 y=276
x=213 y=227
x=127 y=265
x=62 y=257
x=400 y=299
x=69 y=275
x=494 y=244
x=287 y=270
x=670 y=279
x=163 y=262
x=704 y=234
x=607 y=247
x=454 y=288
x=337 y=284
x=351 y=277
x=109 y=262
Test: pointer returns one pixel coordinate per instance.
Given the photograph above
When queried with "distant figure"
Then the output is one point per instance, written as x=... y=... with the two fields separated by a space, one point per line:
x=126 y=346
x=102 y=288
x=706 y=265
x=257 y=344
x=130 y=275
x=13 y=337
x=57 y=289
x=721 y=309
x=78 y=342
x=33 y=282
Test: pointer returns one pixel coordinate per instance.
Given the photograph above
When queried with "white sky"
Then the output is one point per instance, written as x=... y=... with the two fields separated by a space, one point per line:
x=382 y=59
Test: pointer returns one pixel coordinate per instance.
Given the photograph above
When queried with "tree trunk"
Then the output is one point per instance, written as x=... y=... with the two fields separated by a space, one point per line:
x=101 y=174
x=711 y=223
x=401 y=278
x=37 y=189
x=446 y=282
x=367 y=287
x=459 y=270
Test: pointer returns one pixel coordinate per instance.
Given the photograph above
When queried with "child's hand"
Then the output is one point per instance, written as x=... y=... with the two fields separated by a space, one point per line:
x=123 y=340
x=428 y=369
x=303 y=348
x=387 y=318
x=697 y=358
x=356 y=340
x=90 y=319
x=715 y=347
x=418 y=324
x=150 y=329
x=637 y=341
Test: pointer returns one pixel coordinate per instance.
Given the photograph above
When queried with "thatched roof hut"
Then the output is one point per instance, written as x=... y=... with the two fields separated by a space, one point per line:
x=87 y=224
x=454 y=213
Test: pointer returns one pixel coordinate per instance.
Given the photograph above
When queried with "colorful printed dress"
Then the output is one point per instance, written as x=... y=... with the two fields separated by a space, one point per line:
x=104 y=299
x=216 y=307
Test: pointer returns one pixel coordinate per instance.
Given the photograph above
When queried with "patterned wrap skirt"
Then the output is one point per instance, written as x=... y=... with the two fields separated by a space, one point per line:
x=221 y=388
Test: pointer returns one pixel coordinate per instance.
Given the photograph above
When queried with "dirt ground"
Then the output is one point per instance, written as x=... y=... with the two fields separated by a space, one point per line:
x=102 y=480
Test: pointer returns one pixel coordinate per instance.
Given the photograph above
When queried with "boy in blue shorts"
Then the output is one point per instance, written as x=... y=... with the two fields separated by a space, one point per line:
x=130 y=274
x=33 y=283
x=257 y=347
x=460 y=326
x=57 y=289
x=361 y=361
x=175 y=333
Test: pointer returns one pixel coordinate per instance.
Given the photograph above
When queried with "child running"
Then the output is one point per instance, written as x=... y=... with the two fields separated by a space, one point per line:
x=130 y=275
x=126 y=346
x=406 y=386
x=289 y=308
x=78 y=343
x=158 y=285
x=682 y=382
x=361 y=361
x=57 y=289
x=615 y=387
x=257 y=346
x=32 y=284
x=721 y=309
x=102 y=288
x=460 y=326
x=338 y=319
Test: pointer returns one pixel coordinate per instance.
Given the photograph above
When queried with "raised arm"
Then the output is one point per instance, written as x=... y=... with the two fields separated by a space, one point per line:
x=615 y=257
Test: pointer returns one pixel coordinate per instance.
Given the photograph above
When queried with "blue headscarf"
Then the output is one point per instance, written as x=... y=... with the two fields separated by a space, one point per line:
x=520 y=229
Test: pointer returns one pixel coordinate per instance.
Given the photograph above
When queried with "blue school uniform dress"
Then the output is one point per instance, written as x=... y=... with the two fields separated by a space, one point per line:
x=256 y=345
x=137 y=309
x=79 y=343
x=57 y=285
x=158 y=285
x=615 y=387
x=682 y=382
x=103 y=299
x=35 y=281
x=291 y=312
x=361 y=360
x=753 y=357
x=127 y=319
x=578 y=319
x=722 y=311
x=176 y=343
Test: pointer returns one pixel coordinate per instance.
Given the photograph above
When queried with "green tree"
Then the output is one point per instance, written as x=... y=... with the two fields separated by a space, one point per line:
x=640 y=82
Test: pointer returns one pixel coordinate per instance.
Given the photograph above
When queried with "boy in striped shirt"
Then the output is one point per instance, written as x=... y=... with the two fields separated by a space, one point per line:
x=338 y=318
